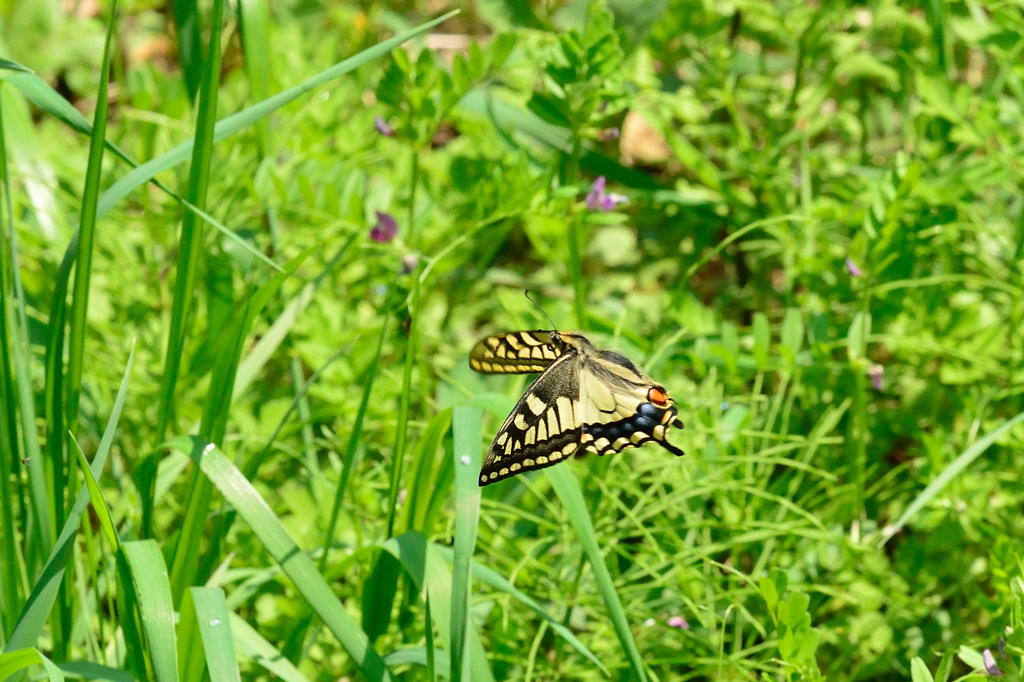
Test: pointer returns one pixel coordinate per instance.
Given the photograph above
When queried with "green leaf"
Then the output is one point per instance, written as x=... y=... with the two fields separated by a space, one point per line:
x=856 y=337
x=296 y=564
x=425 y=566
x=568 y=490
x=149 y=578
x=762 y=340
x=770 y=594
x=466 y=431
x=210 y=616
x=13 y=661
x=945 y=666
x=919 y=671
x=190 y=46
x=792 y=334
x=87 y=670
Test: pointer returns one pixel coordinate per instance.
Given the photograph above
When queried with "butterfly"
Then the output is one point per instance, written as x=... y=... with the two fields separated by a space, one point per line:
x=585 y=400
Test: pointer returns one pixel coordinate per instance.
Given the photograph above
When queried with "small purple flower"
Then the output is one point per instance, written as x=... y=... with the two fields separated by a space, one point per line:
x=876 y=372
x=990 y=663
x=599 y=200
x=382 y=126
x=678 y=622
x=852 y=267
x=608 y=134
x=385 y=230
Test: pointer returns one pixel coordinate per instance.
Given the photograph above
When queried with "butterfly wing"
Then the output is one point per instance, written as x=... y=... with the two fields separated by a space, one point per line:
x=543 y=428
x=515 y=353
x=617 y=409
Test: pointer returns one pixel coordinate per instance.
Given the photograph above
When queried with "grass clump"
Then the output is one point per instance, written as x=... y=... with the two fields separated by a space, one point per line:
x=235 y=403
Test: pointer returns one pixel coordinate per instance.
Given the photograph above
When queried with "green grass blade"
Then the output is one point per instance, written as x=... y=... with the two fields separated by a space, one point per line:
x=187 y=23
x=20 y=358
x=569 y=493
x=185 y=566
x=149 y=578
x=419 y=655
x=87 y=670
x=44 y=592
x=497 y=581
x=14 y=661
x=250 y=644
x=10 y=578
x=296 y=564
x=954 y=469
x=86 y=234
x=191 y=240
x=254 y=25
x=466 y=431
x=99 y=504
x=209 y=616
x=427 y=568
x=236 y=122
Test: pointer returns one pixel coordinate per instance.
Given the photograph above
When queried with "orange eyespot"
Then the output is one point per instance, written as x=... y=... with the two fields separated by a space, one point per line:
x=657 y=397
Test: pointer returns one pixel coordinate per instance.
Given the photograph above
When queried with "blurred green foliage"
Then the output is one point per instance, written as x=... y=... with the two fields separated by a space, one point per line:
x=820 y=257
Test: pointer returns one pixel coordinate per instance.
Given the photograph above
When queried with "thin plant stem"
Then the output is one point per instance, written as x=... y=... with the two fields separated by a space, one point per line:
x=575 y=254
x=353 y=440
x=402 y=427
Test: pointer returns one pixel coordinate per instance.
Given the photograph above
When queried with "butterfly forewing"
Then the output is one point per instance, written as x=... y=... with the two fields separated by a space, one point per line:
x=515 y=353
x=544 y=426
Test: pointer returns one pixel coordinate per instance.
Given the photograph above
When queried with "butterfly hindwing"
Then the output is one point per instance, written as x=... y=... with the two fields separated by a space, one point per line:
x=616 y=410
x=544 y=426
x=514 y=353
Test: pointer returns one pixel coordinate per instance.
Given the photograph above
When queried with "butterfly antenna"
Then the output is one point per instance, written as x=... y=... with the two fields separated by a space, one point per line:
x=530 y=298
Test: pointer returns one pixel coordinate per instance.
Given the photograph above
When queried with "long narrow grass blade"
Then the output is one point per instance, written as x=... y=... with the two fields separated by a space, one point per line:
x=190 y=46
x=149 y=578
x=466 y=432
x=213 y=623
x=296 y=564
x=254 y=23
x=954 y=469
x=88 y=670
x=86 y=233
x=568 y=490
x=191 y=240
x=14 y=661
x=236 y=122
x=498 y=582
x=10 y=578
x=185 y=566
x=99 y=504
x=430 y=574
x=16 y=321
x=250 y=644
x=44 y=592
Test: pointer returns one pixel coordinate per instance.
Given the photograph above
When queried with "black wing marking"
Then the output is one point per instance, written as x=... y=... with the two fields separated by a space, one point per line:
x=515 y=353
x=543 y=428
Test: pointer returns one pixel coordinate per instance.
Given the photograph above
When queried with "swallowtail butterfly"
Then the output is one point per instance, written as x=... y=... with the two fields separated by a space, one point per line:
x=585 y=400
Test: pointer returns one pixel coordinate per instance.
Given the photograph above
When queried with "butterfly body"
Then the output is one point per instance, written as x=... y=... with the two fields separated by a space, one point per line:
x=585 y=400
